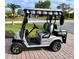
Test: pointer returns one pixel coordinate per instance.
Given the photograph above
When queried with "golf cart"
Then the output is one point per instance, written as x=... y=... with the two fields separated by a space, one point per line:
x=50 y=36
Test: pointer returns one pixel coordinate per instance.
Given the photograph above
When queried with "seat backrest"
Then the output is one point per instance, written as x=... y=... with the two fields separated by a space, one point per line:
x=48 y=27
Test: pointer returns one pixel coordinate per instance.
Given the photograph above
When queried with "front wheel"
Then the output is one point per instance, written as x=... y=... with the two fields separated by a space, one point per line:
x=16 y=48
x=56 y=46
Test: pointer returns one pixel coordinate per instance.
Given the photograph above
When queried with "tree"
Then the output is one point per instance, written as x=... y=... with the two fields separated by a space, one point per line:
x=13 y=7
x=63 y=6
x=45 y=4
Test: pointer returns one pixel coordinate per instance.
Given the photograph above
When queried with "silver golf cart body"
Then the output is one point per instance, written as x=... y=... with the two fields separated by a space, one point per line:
x=46 y=39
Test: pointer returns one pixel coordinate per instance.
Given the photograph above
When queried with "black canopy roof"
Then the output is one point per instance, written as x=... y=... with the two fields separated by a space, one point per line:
x=37 y=11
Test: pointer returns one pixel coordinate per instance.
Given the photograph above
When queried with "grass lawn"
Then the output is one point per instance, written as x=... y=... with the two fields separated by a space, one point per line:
x=16 y=27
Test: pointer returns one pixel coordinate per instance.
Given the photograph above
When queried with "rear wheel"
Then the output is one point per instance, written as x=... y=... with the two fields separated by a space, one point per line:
x=16 y=48
x=56 y=46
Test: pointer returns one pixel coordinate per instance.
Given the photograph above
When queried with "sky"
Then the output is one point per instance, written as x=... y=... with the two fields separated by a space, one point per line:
x=31 y=3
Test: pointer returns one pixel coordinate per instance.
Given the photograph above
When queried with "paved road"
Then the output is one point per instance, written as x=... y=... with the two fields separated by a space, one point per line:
x=68 y=24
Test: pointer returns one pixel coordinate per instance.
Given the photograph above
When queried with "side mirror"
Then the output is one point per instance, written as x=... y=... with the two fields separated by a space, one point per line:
x=61 y=20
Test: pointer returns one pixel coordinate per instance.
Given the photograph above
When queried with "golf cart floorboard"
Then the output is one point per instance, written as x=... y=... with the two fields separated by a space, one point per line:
x=33 y=41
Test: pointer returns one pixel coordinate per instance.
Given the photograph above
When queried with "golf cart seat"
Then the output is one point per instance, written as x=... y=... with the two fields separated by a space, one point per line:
x=48 y=29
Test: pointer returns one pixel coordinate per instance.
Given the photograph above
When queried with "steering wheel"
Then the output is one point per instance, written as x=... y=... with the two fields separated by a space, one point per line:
x=35 y=26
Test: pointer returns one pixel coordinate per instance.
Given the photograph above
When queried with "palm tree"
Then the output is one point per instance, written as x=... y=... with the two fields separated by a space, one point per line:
x=13 y=7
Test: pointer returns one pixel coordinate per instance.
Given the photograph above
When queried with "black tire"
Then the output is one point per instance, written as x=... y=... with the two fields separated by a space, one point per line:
x=16 y=48
x=55 y=46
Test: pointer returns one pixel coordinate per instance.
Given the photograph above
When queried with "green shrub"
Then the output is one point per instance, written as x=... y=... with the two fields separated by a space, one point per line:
x=9 y=34
x=9 y=14
x=66 y=15
x=72 y=15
